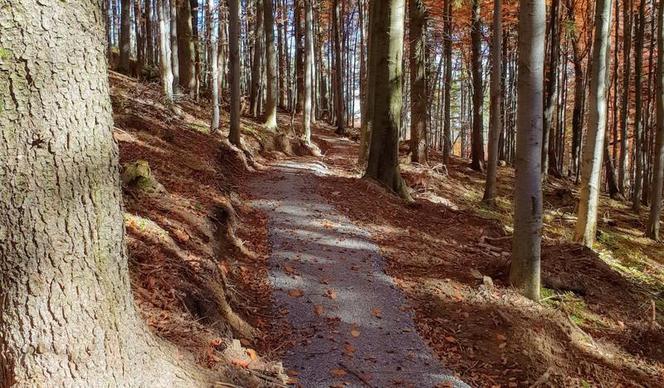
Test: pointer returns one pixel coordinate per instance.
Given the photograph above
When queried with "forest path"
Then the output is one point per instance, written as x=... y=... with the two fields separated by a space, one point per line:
x=350 y=322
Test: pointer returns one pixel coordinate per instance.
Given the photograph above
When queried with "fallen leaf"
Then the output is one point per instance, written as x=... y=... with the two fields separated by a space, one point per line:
x=354 y=331
x=240 y=363
x=318 y=309
x=338 y=372
x=290 y=270
x=376 y=312
x=295 y=293
x=451 y=339
x=350 y=349
x=331 y=294
x=501 y=337
x=252 y=354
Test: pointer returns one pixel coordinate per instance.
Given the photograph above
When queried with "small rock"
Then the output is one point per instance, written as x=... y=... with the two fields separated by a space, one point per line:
x=487 y=281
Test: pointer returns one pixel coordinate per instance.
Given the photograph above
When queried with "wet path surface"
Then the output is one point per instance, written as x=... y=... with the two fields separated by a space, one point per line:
x=351 y=323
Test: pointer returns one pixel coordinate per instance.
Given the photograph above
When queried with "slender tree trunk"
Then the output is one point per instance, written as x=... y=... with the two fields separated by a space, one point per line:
x=68 y=315
x=282 y=35
x=551 y=91
x=385 y=69
x=270 y=67
x=638 y=124
x=527 y=239
x=338 y=70
x=214 y=69
x=149 y=42
x=175 y=61
x=367 y=122
x=477 y=142
x=125 y=36
x=234 y=64
x=623 y=170
x=165 y=51
x=139 y=21
x=197 y=48
x=447 y=48
x=586 y=224
x=496 y=102
x=418 y=94
x=658 y=170
x=256 y=63
x=308 y=66
x=299 y=55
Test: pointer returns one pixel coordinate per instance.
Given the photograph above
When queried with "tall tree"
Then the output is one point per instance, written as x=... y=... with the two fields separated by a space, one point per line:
x=551 y=93
x=638 y=101
x=186 y=47
x=234 y=65
x=418 y=87
x=64 y=281
x=270 y=67
x=586 y=224
x=658 y=169
x=308 y=67
x=175 y=60
x=477 y=140
x=496 y=127
x=385 y=89
x=214 y=67
x=623 y=173
x=125 y=36
x=447 y=48
x=339 y=107
x=527 y=239
x=257 y=62
x=165 y=51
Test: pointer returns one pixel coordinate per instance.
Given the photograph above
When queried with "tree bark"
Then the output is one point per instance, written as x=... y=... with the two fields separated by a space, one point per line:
x=658 y=169
x=234 y=64
x=496 y=102
x=623 y=170
x=338 y=71
x=214 y=69
x=551 y=92
x=125 y=36
x=175 y=60
x=477 y=141
x=270 y=67
x=385 y=79
x=308 y=66
x=186 y=48
x=527 y=239
x=256 y=63
x=68 y=315
x=638 y=125
x=586 y=224
x=418 y=94
x=165 y=51
x=447 y=47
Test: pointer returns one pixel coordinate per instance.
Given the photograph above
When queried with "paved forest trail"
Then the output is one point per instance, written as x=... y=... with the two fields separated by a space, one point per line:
x=350 y=322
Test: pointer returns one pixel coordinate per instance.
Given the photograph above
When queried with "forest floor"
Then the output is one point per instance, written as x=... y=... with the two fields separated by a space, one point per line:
x=204 y=262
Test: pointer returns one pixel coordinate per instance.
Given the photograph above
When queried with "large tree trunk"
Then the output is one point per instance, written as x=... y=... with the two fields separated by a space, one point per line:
x=418 y=87
x=496 y=102
x=234 y=64
x=214 y=69
x=385 y=79
x=367 y=121
x=270 y=67
x=308 y=67
x=338 y=71
x=658 y=170
x=447 y=47
x=257 y=62
x=186 y=48
x=527 y=239
x=175 y=60
x=477 y=140
x=282 y=35
x=125 y=36
x=638 y=101
x=165 y=51
x=68 y=316
x=586 y=224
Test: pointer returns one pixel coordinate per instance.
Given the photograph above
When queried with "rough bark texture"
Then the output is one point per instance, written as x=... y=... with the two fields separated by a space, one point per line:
x=186 y=48
x=67 y=312
x=496 y=102
x=418 y=89
x=270 y=67
x=339 y=107
x=175 y=59
x=165 y=51
x=526 y=244
x=447 y=46
x=586 y=224
x=477 y=153
x=234 y=65
x=385 y=61
x=658 y=170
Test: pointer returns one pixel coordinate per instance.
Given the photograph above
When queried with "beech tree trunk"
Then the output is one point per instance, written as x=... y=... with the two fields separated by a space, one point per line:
x=68 y=315
x=496 y=102
x=234 y=69
x=214 y=69
x=551 y=94
x=638 y=101
x=308 y=67
x=256 y=64
x=186 y=47
x=623 y=170
x=270 y=67
x=418 y=94
x=338 y=71
x=477 y=141
x=527 y=239
x=165 y=51
x=447 y=47
x=175 y=60
x=658 y=169
x=586 y=224
x=385 y=85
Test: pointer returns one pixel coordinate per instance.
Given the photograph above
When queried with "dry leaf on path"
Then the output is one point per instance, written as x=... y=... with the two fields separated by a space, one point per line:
x=331 y=294
x=319 y=310
x=338 y=372
x=295 y=293
x=354 y=331
x=376 y=312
